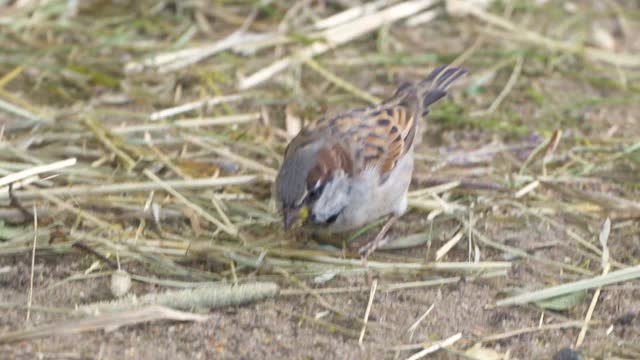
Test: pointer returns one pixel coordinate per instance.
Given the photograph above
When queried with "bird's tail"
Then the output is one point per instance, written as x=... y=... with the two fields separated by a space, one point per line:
x=435 y=86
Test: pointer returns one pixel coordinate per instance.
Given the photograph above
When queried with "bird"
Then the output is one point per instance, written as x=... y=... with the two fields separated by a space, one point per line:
x=344 y=171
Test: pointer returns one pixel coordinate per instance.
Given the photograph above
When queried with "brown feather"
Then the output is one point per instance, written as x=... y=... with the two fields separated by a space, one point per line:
x=376 y=137
x=384 y=134
x=328 y=161
x=393 y=124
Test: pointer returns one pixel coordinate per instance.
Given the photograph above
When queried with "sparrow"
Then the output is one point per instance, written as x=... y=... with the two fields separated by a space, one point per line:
x=342 y=172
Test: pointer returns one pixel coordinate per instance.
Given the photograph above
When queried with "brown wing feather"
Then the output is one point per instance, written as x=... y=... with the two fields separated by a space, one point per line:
x=378 y=136
x=329 y=159
x=394 y=127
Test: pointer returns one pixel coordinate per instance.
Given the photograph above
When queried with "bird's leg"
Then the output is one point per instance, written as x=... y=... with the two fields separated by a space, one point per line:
x=380 y=239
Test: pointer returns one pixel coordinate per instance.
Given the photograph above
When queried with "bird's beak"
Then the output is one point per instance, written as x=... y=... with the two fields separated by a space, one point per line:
x=293 y=216
x=290 y=218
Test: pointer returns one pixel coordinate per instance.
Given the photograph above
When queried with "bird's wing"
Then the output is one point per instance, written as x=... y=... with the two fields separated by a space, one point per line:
x=372 y=138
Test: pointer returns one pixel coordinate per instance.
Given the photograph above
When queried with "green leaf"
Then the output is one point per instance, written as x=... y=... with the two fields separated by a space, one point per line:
x=563 y=302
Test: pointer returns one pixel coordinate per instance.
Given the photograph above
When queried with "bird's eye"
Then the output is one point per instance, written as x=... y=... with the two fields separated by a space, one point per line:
x=316 y=192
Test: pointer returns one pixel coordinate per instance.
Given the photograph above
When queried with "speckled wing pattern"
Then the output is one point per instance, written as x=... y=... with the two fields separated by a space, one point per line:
x=370 y=138
x=375 y=137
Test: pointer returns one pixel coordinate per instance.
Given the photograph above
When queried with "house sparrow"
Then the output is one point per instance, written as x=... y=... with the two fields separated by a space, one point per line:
x=342 y=172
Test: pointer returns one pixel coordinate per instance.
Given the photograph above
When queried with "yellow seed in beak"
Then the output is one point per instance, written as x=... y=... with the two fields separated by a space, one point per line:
x=303 y=213
x=294 y=219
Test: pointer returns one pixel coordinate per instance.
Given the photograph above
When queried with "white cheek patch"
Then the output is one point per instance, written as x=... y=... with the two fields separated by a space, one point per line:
x=334 y=198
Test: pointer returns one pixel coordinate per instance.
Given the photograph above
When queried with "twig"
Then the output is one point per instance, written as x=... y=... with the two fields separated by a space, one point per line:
x=248 y=163
x=81 y=213
x=618 y=59
x=444 y=249
x=627 y=274
x=506 y=90
x=13 y=109
x=166 y=161
x=8 y=77
x=350 y=14
x=169 y=112
x=466 y=184
x=604 y=238
x=106 y=321
x=337 y=36
x=120 y=212
x=306 y=290
x=136 y=187
x=422 y=18
x=20 y=175
x=441 y=266
x=561 y=227
x=437 y=346
x=374 y=286
x=414 y=326
x=102 y=135
x=341 y=82
x=527 y=189
x=553 y=145
x=618 y=206
x=542 y=150
x=392 y=287
x=313 y=292
x=190 y=123
x=518 y=252
x=33 y=261
x=176 y=60
x=533 y=329
x=229 y=229
x=86 y=248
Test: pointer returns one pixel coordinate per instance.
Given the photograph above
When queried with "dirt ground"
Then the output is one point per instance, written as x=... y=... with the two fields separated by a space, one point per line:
x=276 y=329
x=595 y=104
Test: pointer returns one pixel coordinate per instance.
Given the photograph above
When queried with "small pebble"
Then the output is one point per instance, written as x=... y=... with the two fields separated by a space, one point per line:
x=626 y=319
x=120 y=283
x=567 y=354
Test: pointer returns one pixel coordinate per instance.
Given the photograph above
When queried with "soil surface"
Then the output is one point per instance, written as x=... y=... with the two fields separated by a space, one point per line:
x=553 y=91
